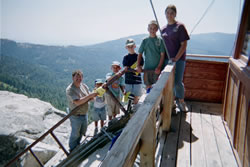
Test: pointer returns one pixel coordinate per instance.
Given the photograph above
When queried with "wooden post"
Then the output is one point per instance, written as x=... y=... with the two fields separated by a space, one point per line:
x=168 y=97
x=147 y=150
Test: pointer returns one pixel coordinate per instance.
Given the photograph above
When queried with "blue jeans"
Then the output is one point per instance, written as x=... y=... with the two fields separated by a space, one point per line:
x=179 y=73
x=78 y=128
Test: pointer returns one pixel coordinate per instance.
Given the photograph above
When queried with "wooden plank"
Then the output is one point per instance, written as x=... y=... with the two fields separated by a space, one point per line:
x=198 y=158
x=226 y=92
x=247 y=139
x=247 y=148
x=224 y=147
x=241 y=125
x=223 y=92
x=206 y=64
x=212 y=108
x=168 y=98
x=148 y=143
x=203 y=95
x=211 y=150
x=239 y=69
x=160 y=149
x=203 y=73
x=184 y=152
x=171 y=144
x=203 y=84
x=228 y=98
x=234 y=103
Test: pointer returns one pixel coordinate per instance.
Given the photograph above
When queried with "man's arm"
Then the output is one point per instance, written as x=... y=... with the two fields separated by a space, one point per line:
x=85 y=99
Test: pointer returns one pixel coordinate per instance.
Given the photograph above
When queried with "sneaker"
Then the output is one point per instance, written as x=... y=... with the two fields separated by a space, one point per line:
x=174 y=105
x=183 y=106
x=148 y=90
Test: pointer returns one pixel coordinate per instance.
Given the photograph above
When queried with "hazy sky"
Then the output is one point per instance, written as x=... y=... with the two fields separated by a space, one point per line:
x=80 y=22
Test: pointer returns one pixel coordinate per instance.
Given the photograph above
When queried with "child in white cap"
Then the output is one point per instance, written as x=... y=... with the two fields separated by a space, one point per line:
x=116 y=88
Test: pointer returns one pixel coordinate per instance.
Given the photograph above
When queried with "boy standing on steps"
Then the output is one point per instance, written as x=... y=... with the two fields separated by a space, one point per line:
x=116 y=87
x=153 y=49
x=132 y=79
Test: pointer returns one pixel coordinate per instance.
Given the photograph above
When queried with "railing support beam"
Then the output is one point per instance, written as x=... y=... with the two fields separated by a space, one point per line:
x=168 y=98
x=147 y=150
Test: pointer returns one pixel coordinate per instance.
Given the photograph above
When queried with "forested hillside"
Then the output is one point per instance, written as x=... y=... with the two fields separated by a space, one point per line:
x=45 y=71
x=31 y=80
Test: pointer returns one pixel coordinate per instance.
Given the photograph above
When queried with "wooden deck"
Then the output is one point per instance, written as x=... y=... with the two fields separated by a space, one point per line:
x=198 y=138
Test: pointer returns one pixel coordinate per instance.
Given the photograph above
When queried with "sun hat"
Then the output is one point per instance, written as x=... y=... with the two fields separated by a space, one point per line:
x=97 y=81
x=116 y=63
x=130 y=42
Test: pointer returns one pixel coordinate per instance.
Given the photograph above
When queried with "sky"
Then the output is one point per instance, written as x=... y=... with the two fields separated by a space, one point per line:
x=85 y=22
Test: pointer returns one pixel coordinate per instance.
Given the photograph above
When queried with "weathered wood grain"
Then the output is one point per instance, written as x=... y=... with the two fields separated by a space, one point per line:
x=124 y=147
x=211 y=150
x=148 y=143
x=247 y=144
x=207 y=64
x=183 y=155
x=198 y=158
x=229 y=97
x=224 y=148
x=171 y=144
x=203 y=95
x=204 y=73
x=203 y=84
x=168 y=98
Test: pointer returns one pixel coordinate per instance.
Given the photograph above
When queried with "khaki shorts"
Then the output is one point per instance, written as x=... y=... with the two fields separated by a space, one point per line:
x=113 y=108
x=150 y=78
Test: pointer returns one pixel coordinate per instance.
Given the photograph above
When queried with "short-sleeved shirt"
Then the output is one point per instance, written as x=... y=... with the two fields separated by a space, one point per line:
x=152 y=49
x=173 y=35
x=75 y=93
x=99 y=102
x=115 y=87
x=130 y=77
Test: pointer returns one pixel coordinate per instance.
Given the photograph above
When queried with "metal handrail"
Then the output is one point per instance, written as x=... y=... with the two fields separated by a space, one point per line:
x=50 y=131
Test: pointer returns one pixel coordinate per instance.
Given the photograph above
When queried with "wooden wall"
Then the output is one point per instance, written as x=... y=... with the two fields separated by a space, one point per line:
x=236 y=108
x=205 y=80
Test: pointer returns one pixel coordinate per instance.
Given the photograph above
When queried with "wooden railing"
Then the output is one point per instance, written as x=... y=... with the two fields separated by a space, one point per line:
x=236 y=108
x=140 y=134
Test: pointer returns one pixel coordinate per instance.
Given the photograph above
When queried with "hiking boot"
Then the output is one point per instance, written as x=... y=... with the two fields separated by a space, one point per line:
x=183 y=107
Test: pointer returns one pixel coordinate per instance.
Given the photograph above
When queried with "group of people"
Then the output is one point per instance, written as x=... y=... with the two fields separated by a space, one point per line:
x=150 y=60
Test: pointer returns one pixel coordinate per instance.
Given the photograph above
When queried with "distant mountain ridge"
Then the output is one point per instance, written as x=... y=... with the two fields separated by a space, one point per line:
x=48 y=68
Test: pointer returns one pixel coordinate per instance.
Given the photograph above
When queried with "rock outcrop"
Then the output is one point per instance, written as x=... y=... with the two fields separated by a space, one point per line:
x=23 y=120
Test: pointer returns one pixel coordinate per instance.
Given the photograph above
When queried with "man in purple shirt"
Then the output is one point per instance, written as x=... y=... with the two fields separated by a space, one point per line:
x=175 y=36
